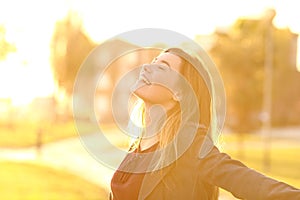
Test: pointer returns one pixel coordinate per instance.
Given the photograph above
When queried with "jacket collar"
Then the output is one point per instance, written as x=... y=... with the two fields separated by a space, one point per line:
x=152 y=178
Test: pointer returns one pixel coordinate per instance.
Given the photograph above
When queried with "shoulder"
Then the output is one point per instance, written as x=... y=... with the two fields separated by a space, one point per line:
x=202 y=144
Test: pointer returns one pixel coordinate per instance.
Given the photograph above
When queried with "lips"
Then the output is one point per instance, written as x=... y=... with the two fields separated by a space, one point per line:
x=141 y=81
x=145 y=79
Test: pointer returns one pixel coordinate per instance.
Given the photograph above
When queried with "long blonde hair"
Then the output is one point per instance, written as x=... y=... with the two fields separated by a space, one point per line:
x=194 y=107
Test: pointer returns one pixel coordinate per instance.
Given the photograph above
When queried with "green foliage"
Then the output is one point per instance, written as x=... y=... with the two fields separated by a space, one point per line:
x=240 y=54
x=286 y=97
x=69 y=48
x=286 y=80
x=4 y=45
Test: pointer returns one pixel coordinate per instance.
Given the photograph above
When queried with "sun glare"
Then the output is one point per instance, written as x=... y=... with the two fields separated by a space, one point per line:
x=26 y=74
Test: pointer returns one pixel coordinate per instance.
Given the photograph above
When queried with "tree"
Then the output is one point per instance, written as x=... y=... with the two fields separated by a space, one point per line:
x=5 y=46
x=286 y=84
x=70 y=46
x=240 y=54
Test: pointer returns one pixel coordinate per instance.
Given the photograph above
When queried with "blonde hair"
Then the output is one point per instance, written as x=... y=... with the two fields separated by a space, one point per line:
x=196 y=111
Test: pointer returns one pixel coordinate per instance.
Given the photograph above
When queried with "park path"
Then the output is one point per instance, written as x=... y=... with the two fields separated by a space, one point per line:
x=71 y=155
x=68 y=154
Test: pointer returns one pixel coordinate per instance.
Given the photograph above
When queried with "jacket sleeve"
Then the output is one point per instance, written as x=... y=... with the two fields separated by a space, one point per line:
x=219 y=169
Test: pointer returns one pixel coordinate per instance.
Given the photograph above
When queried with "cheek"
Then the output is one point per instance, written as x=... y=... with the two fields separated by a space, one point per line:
x=170 y=80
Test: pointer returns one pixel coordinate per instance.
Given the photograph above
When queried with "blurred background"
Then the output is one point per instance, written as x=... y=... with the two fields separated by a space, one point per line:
x=43 y=44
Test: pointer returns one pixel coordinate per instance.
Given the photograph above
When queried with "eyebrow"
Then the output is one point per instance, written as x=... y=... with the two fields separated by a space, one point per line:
x=163 y=61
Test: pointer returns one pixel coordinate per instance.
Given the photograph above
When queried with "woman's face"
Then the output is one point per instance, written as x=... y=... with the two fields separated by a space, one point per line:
x=158 y=81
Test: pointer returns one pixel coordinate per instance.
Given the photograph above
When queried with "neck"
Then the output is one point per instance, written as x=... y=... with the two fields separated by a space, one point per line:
x=155 y=116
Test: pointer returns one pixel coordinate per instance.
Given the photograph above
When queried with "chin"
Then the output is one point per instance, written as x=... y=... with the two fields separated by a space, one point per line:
x=153 y=94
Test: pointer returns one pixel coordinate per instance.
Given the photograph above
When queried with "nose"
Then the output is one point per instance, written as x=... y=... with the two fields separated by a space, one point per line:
x=147 y=68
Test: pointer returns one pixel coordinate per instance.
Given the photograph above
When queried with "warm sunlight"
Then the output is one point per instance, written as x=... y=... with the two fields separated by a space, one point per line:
x=75 y=99
x=27 y=74
x=298 y=56
x=288 y=16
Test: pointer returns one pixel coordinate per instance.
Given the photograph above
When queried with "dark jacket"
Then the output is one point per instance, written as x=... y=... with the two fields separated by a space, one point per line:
x=193 y=177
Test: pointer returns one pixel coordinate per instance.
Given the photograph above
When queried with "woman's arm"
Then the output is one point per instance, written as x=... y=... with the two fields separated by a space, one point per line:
x=219 y=169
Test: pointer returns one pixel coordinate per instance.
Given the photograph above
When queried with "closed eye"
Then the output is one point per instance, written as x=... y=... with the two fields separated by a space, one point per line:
x=155 y=60
x=163 y=67
x=165 y=62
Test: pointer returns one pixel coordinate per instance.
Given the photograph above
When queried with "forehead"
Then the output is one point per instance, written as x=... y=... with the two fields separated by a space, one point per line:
x=172 y=59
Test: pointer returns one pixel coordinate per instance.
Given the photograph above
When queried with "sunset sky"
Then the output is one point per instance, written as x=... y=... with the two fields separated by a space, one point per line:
x=27 y=74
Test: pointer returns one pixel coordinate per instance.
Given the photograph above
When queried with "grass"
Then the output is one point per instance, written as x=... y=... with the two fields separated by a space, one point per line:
x=33 y=181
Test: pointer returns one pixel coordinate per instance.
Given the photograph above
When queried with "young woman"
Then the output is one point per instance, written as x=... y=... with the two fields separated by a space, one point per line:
x=176 y=155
